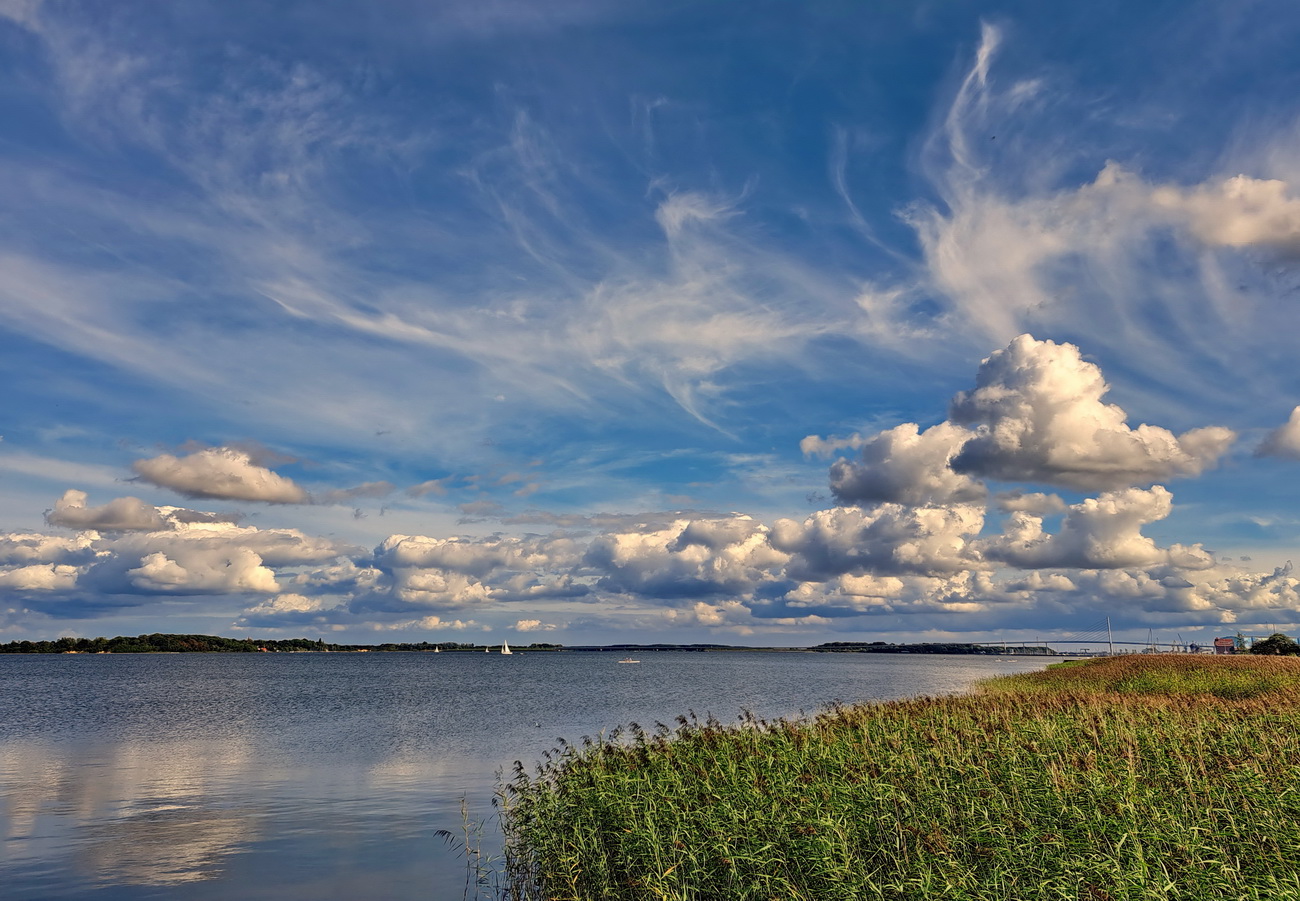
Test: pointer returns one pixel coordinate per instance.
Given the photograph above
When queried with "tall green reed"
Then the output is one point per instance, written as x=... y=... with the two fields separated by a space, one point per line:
x=1117 y=780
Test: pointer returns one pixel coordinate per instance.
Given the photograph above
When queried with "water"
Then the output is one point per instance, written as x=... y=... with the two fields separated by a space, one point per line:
x=327 y=776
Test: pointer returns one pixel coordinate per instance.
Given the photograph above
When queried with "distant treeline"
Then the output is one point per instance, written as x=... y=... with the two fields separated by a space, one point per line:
x=929 y=647
x=659 y=647
x=163 y=644
x=207 y=644
x=181 y=644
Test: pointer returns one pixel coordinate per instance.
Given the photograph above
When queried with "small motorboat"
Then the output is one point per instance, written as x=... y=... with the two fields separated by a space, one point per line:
x=629 y=660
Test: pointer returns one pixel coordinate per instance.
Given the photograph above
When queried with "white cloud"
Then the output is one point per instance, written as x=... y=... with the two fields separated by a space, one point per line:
x=286 y=609
x=455 y=572
x=817 y=446
x=1039 y=417
x=906 y=466
x=962 y=593
x=203 y=571
x=678 y=211
x=533 y=625
x=469 y=557
x=726 y=615
x=436 y=588
x=220 y=472
x=888 y=539
x=1034 y=502
x=184 y=559
x=1098 y=533
x=39 y=577
x=1237 y=212
x=690 y=558
x=729 y=573
x=123 y=514
x=33 y=547
x=428 y=623
x=291 y=603
x=1284 y=441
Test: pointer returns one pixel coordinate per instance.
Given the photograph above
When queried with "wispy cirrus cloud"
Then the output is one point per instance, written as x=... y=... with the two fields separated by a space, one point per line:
x=1158 y=273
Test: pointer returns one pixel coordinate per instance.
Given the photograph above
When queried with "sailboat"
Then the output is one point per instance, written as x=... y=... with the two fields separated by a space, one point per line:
x=505 y=648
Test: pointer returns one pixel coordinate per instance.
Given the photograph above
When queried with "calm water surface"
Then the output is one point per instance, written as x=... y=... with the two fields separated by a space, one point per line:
x=326 y=776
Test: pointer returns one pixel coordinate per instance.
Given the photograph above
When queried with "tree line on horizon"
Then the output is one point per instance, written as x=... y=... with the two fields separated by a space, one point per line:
x=160 y=643
x=1277 y=644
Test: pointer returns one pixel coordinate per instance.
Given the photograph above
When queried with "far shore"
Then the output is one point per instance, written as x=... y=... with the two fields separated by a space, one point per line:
x=159 y=643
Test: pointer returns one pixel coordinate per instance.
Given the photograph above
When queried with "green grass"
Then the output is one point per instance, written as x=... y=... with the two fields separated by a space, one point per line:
x=1162 y=674
x=1138 y=777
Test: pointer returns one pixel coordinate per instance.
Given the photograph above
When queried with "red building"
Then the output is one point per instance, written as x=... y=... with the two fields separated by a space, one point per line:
x=1225 y=645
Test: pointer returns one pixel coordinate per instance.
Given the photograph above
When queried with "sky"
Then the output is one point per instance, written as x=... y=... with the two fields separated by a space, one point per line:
x=597 y=321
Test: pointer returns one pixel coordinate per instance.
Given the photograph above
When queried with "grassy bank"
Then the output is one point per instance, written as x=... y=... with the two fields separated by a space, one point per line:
x=1137 y=777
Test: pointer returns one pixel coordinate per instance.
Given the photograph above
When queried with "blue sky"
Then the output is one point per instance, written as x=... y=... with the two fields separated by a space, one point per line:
x=605 y=321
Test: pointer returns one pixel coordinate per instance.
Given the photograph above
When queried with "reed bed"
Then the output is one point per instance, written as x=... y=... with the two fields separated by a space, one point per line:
x=1155 y=777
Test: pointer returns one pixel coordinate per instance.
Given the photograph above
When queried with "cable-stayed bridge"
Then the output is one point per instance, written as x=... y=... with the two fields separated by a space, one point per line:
x=1098 y=640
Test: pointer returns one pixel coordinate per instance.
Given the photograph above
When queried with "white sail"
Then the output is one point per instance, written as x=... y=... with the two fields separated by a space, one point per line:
x=505 y=648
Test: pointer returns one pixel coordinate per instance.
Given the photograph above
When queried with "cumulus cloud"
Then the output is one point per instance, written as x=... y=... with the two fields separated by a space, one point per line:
x=201 y=559
x=436 y=589
x=731 y=573
x=1039 y=417
x=33 y=547
x=888 y=539
x=964 y=593
x=278 y=547
x=203 y=571
x=817 y=446
x=455 y=572
x=1284 y=441
x=39 y=577
x=285 y=609
x=126 y=514
x=181 y=560
x=1098 y=533
x=465 y=556
x=907 y=466
x=123 y=514
x=689 y=558
x=428 y=623
x=224 y=473
x=1034 y=502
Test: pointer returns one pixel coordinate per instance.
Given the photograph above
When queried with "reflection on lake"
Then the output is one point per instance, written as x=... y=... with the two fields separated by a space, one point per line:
x=327 y=775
